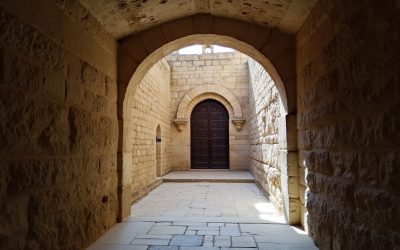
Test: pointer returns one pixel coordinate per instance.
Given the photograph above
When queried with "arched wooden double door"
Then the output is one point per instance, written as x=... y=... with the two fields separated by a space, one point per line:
x=209 y=136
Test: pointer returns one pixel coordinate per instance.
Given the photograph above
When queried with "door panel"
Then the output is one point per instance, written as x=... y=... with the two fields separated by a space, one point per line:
x=210 y=135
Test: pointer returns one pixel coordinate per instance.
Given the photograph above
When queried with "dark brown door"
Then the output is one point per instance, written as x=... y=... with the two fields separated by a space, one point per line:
x=209 y=135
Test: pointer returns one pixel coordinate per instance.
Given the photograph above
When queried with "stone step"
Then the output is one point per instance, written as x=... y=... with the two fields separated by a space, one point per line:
x=208 y=180
x=221 y=176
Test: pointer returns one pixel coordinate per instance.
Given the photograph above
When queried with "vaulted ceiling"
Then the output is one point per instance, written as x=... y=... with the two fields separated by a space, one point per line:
x=124 y=17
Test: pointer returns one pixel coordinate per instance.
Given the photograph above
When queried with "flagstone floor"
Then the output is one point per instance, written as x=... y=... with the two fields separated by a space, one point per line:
x=204 y=216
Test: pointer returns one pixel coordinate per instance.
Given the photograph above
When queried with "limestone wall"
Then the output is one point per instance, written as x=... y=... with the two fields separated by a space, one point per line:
x=264 y=120
x=58 y=126
x=226 y=70
x=148 y=108
x=348 y=120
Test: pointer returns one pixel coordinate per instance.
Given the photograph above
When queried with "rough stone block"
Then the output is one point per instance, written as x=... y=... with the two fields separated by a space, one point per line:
x=44 y=130
x=14 y=222
x=2 y=68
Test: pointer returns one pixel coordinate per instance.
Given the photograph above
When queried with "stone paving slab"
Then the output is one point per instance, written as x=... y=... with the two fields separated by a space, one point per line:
x=243 y=241
x=163 y=248
x=240 y=248
x=274 y=246
x=154 y=236
x=168 y=230
x=230 y=231
x=199 y=248
x=186 y=240
x=222 y=241
x=190 y=224
x=216 y=224
x=161 y=242
x=283 y=234
x=204 y=228
x=216 y=232
x=117 y=247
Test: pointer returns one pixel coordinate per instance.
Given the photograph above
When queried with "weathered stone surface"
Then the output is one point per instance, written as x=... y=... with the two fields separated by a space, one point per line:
x=347 y=96
x=186 y=240
x=84 y=131
x=230 y=231
x=14 y=222
x=168 y=230
x=268 y=155
x=126 y=18
x=58 y=155
x=74 y=10
x=243 y=241
x=222 y=241
x=163 y=248
x=147 y=109
x=43 y=130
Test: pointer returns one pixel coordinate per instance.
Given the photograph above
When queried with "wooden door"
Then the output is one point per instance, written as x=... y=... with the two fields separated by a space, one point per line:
x=209 y=136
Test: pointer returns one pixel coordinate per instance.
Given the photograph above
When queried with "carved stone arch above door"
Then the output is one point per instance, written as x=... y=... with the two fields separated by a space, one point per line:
x=215 y=92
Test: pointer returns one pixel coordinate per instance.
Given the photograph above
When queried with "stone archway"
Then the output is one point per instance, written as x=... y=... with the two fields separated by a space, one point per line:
x=215 y=92
x=273 y=49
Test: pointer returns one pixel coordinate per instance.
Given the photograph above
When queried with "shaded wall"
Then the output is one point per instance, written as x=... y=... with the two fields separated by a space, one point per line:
x=348 y=120
x=146 y=109
x=264 y=120
x=58 y=129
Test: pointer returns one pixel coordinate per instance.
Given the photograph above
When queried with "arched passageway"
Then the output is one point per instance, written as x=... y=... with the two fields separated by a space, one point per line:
x=277 y=44
x=60 y=120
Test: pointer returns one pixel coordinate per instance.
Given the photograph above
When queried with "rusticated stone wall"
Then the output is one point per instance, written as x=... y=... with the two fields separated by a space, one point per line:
x=226 y=70
x=58 y=126
x=264 y=120
x=148 y=108
x=348 y=119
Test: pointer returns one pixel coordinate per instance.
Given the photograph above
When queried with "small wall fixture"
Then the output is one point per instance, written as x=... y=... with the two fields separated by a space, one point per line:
x=180 y=123
x=238 y=122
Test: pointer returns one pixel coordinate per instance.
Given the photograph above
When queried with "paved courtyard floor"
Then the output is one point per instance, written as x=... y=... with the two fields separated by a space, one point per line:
x=204 y=216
